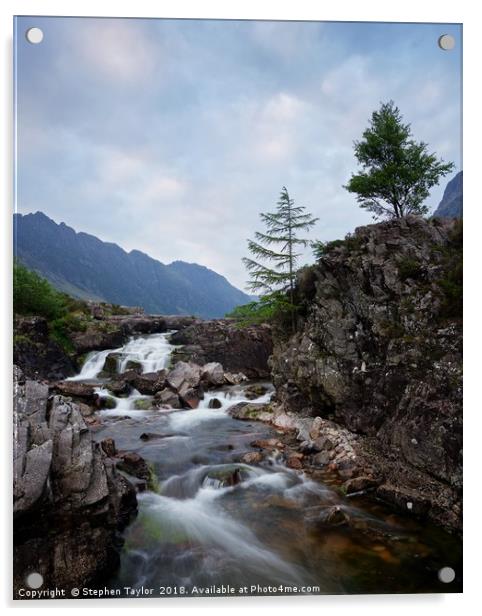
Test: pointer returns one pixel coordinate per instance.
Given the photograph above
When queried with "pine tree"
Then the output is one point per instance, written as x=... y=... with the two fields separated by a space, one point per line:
x=279 y=245
x=397 y=172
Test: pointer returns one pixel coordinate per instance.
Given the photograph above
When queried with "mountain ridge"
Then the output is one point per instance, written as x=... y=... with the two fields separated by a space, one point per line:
x=85 y=266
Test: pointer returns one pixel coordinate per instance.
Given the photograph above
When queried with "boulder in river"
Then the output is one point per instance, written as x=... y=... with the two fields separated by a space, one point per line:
x=332 y=517
x=191 y=396
x=184 y=374
x=213 y=374
x=250 y=410
x=134 y=464
x=149 y=383
x=215 y=403
x=166 y=398
x=111 y=364
x=119 y=388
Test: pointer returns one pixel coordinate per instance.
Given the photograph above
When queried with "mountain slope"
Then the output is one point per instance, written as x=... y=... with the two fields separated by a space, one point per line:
x=451 y=205
x=82 y=265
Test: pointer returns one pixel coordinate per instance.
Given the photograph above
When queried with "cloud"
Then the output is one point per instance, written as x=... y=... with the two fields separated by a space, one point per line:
x=172 y=136
x=115 y=49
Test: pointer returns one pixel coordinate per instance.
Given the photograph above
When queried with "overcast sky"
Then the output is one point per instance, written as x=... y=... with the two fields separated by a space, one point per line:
x=172 y=136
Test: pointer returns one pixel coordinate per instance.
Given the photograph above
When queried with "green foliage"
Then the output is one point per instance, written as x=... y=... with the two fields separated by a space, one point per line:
x=33 y=295
x=397 y=172
x=409 y=268
x=278 y=245
x=265 y=310
x=321 y=249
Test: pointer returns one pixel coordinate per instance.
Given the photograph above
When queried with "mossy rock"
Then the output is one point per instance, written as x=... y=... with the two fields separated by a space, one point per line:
x=110 y=364
x=143 y=404
x=108 y=402
x=133 y=365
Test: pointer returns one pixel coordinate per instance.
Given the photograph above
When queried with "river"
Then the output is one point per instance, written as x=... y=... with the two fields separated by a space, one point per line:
x=196 y=534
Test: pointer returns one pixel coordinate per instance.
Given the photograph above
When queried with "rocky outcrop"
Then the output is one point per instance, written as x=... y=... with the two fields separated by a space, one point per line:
x=69 y=501
x=378 y=350
x=114 y=331
x=245 y=349
x=38 y=354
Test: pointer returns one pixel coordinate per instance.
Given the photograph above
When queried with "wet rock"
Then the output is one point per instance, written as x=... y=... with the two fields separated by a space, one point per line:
x=135 y=465
x=405 y=499
x=252 y=457
x=360 y=484
x=106 y=402
x=184 y=376
x=332 y=517
x=213 y=374
x=111 y=364
x=108 y=447
x=134 y=366
x=224 y=477
x=214 y=403
x=143 y=404
x=255 y=391
x=250 y=410
x=191 y=396
x=167 y=398
x=119 y=388
x=149 y=383
x=152 y=436
x=234 y=379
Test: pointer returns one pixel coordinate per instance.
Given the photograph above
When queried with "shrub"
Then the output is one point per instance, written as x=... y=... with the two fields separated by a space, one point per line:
x=409 y=268
x=33 y=295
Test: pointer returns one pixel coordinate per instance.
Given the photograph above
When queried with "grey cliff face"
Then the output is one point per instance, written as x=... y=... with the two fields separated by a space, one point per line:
x=451 y=205
x=379 y=346
x=69 y=501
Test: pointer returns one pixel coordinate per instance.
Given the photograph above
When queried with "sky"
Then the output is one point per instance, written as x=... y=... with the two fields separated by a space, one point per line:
x=171 y=136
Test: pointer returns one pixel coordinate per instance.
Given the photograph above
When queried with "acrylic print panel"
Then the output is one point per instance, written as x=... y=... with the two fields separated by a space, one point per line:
x=237 y=288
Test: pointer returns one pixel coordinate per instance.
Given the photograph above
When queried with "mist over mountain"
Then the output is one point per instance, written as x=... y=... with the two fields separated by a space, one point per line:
x=84 y=266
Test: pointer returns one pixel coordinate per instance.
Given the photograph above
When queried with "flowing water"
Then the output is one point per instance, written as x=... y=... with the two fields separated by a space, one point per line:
x=200 y=532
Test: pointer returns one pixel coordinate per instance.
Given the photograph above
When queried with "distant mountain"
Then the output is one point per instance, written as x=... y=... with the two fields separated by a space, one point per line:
x=84 y=266
x=451 y=205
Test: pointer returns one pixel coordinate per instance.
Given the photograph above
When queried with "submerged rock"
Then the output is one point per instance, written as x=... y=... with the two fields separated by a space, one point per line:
x=332 y=517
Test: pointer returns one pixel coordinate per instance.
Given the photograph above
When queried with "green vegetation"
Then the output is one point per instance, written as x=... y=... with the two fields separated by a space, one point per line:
x=351 y=243
x=33 y=295
x=409 y=268
x=397 y=172
x=278 y=244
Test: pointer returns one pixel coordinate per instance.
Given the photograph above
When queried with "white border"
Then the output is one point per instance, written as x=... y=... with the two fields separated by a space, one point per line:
x=349 y=10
